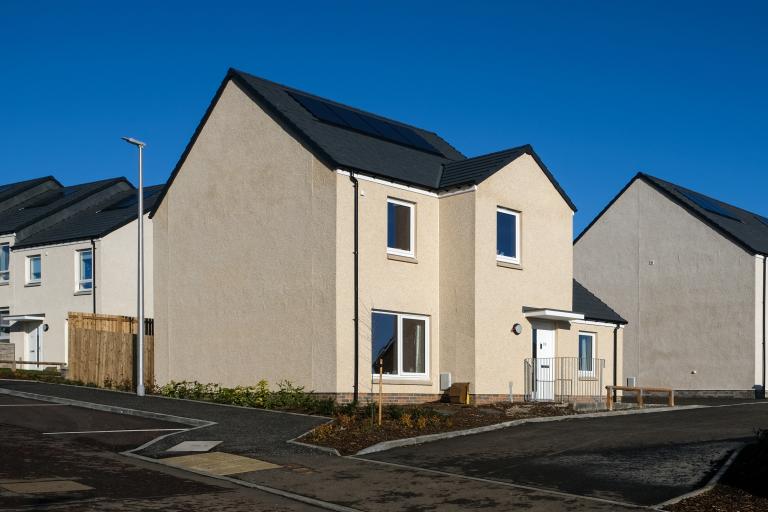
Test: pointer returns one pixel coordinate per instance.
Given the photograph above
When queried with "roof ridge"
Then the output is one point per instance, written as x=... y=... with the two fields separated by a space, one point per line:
x=523 y=148
x=290 y=89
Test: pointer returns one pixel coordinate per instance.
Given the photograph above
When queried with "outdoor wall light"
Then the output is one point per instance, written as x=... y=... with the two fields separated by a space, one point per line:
x=45 y=327
x=517 y=329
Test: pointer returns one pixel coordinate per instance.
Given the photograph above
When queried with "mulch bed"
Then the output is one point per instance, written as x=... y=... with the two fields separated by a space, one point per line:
x=352 y=432
x=743 y=487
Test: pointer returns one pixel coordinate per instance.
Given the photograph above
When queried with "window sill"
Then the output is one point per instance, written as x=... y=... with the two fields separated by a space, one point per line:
x=4 y=283
x=84 y=292
x=587 y=377
x=509 y=264
x=409 y=381
x=29 y=285
x=406 y=259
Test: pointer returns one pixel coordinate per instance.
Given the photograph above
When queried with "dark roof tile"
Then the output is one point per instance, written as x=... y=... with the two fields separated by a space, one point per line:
x=94 y=222
x=592 y=307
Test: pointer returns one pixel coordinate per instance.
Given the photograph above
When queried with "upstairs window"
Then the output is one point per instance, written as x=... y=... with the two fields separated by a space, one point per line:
x=400 y=227
x=5 y=263
x=34 y=269
x=507 y=235
x=5 y=329
x=402 y=342
x=84 y=270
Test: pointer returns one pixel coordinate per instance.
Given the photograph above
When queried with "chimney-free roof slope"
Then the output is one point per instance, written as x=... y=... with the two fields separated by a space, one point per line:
x=11 y=189
x=586 y=302
x=47 y=203
x=94 y=222
x=475 y=170
x=747 y=229
x=354 y=140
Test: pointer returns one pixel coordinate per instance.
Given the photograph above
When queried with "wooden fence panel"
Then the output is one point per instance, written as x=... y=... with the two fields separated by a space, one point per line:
x=101 y=349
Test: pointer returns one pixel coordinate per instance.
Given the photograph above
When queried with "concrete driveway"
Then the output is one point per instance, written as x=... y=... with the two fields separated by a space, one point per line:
x=641 y=459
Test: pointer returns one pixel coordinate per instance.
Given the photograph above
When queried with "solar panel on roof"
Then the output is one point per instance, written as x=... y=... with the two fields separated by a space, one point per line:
x=708 y=204
x=762 y=219
x=357 y=121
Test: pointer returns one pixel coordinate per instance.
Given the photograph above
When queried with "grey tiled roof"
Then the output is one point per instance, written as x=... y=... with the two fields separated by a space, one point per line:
x=475 y=170
x=43 y=205
x=356 y=151
x=746 y=228
x=11 y=189
x=592 y=307
x=94 y=222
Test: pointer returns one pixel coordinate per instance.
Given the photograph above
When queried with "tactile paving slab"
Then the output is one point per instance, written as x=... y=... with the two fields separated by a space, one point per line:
x=44 y=486
x=219 y=463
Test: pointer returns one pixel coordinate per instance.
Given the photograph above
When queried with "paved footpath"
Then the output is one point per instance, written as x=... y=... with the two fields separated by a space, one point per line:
x=576 y=464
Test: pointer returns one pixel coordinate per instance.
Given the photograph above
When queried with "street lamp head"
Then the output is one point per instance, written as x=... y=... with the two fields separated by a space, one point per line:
x=131 y=140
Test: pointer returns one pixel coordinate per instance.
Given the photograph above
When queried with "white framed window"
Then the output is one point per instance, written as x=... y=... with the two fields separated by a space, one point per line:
x=5 y=263
x=5 y=327
x=34 y=269
x=401 y=227
x=507 y=235
x=586 y=353
x=84 y=271
x=402 y=342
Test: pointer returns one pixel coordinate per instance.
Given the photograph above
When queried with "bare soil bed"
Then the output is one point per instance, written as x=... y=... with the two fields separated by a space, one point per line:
x=355 y=429
x=743 y=487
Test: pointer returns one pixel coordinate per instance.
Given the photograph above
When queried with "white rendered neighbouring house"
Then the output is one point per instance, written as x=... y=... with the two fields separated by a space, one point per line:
x=66 y=249
x=302 y=239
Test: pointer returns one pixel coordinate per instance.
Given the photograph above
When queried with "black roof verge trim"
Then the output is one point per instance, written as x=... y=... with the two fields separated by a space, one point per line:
x=658 y=185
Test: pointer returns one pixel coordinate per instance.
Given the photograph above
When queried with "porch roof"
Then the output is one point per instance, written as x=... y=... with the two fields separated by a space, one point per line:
x=551 y=314
x=24 y=318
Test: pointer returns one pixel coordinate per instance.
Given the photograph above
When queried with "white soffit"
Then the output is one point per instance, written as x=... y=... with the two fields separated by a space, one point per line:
x=553 y=314
x=24 y=318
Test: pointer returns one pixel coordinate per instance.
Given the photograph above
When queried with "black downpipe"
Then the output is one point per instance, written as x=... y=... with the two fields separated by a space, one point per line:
x=615 y=360
x=93 y=277
x=357 y=292
x=765 y=281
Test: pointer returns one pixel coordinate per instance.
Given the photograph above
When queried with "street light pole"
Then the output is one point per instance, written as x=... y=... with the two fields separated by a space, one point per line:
x=140 y=271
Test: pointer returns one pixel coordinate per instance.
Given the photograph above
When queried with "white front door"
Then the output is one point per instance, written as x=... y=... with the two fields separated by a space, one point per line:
x=35 y=346
x=544 y=372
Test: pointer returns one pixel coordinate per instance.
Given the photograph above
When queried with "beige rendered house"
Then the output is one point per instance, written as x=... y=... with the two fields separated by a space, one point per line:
x=306 y=240
x=66 y=249
x=689 y=273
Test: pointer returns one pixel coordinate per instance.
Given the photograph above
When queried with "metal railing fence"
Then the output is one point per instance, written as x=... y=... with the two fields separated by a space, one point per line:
x=563 y=379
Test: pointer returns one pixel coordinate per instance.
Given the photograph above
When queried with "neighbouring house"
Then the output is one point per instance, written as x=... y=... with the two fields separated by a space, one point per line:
x=302 y=239
x=65 y=249
x=689 y=273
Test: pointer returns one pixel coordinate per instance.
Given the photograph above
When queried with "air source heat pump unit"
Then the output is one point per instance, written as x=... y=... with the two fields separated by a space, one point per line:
x=445 y=381
x=631 y=382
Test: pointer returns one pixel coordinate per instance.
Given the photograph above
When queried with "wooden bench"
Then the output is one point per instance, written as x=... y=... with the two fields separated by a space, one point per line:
x=14 y=363
x=639 y=391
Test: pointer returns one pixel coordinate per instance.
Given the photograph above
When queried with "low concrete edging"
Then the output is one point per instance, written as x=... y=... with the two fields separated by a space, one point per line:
x=409 y=441
x=325 y=505
x=192 y=422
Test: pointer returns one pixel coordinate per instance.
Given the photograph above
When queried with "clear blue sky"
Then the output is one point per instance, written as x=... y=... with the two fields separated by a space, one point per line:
x=602 y=90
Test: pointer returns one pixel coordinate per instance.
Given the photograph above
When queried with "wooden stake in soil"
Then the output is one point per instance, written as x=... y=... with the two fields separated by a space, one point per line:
x=381 y=379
